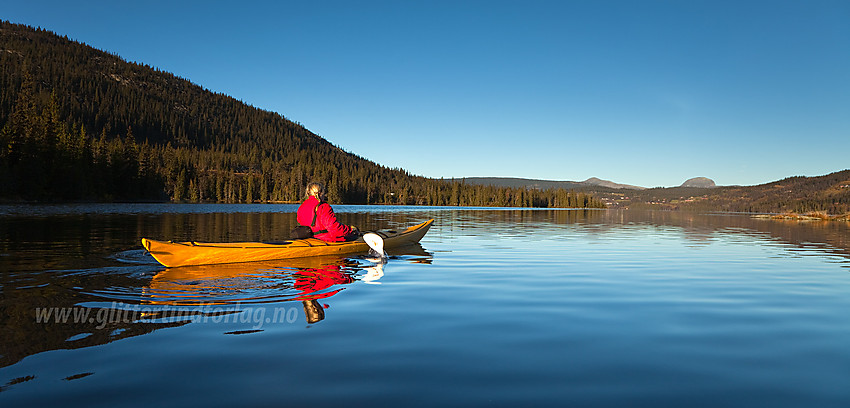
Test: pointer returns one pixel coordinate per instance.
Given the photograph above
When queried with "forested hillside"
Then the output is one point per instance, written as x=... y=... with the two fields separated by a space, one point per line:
x=81 y=124
x=829 y=193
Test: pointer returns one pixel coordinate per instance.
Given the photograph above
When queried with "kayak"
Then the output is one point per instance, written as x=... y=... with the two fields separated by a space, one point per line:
x=227 y=283
x=174 y=254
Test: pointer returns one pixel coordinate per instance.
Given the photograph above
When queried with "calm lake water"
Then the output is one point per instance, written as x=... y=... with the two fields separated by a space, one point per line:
x=495 y=307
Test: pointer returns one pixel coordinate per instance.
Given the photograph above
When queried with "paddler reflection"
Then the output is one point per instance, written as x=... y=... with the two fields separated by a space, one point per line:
x=313 y=282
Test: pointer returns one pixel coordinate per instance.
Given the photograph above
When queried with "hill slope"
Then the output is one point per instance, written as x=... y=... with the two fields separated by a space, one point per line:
x=829 y=193
x=521 y=183
x=79 y=123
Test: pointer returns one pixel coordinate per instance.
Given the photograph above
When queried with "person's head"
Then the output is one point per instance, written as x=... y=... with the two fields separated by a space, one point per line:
x=316 y=190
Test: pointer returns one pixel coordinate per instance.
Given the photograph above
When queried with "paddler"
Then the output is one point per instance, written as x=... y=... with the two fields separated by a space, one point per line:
x=316 y=213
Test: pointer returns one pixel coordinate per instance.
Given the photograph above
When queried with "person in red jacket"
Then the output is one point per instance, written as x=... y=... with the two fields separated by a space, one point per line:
x=318 y=214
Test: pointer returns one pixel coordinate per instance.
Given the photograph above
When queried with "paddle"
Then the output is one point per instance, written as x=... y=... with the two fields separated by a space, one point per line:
x=375 y=242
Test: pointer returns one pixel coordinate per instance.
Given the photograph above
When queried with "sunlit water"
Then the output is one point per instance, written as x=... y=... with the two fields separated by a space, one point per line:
x=498 y=307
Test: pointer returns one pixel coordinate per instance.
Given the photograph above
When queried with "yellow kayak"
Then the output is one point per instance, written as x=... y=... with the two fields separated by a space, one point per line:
x=174 y=254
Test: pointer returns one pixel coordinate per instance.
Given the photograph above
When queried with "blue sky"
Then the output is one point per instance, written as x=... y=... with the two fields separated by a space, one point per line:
x=648 y=93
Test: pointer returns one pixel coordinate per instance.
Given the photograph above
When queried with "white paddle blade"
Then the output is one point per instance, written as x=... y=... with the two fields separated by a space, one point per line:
x=375 y=242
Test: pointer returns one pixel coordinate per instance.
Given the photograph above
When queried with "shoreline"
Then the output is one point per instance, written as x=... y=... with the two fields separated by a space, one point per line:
x=809 y=216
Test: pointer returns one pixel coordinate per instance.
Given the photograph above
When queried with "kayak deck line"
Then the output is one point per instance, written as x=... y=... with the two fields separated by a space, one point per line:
x=190 y=253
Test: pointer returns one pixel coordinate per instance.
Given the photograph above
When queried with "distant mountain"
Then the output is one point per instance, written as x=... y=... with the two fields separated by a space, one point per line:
x=610 y=184
x=699 y=182
x=592 y=183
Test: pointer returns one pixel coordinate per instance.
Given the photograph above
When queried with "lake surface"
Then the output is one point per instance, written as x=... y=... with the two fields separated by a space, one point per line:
x=495 y=307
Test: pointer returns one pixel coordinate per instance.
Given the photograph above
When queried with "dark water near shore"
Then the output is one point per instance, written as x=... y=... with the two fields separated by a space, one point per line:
x=494 y=307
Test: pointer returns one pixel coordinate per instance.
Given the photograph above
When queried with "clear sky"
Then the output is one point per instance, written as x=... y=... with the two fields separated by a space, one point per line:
x=647 y=93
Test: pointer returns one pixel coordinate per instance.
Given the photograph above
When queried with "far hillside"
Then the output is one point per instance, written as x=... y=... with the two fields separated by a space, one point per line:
x=829 y=193
x=522 y=183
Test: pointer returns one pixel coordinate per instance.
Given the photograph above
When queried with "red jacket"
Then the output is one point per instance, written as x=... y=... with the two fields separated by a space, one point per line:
x=310 y=280
x=325 y=220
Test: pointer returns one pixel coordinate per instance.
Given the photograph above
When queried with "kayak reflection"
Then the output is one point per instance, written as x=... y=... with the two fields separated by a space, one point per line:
x=307 y=280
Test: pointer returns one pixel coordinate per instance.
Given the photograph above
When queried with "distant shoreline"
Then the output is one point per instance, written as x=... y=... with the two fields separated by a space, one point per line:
x=810 y=216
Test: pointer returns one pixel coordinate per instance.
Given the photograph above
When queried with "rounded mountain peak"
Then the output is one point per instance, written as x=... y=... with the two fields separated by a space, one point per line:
x=700 y=182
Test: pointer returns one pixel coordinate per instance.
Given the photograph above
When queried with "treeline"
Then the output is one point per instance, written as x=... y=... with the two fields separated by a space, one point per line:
x=81 y=124
x=43 y=158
